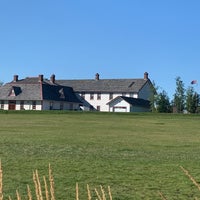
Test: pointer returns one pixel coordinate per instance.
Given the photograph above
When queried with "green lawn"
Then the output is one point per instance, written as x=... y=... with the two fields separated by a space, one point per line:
x=136 y=154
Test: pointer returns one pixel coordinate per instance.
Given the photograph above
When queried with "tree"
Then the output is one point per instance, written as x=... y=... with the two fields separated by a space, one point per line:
x=179 y=96
x=192 y=100
x=163 y=103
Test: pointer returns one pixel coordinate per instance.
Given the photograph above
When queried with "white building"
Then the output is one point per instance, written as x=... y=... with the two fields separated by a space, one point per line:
x=37 y=93
x=108 y=95
x=103 y=94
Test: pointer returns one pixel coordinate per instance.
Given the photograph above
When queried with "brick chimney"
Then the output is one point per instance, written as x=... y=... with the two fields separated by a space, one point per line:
x=40 y=78
x=15 y=78
x=146 y=76
x=52 y=78
x=97 y=76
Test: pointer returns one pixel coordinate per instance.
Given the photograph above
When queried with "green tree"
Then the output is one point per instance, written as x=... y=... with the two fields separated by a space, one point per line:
x=163 y=103
x=192 y=100
x=179 y=96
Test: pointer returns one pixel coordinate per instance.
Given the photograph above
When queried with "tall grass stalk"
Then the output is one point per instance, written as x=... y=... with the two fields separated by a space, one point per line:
x=109 y=193
x=88 y=192
x=161 y=195
x=51 y=181
x=190 y=177
x=1 y=182
x=77 y=192
x=29 y=193
x=46 y=188
x=18 y=195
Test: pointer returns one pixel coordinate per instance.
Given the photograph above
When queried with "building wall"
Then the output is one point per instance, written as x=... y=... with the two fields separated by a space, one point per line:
x=138 y=109
x=101 y=103
x=60 y=105
x=145 y=92
x=119 y=106
x=27 y=105
x=41 y=105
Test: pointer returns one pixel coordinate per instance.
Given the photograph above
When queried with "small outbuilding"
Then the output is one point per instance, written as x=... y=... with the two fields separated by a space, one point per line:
x=128 y=104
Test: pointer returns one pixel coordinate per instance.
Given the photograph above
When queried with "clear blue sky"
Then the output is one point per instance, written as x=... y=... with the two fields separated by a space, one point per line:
x=74 y=39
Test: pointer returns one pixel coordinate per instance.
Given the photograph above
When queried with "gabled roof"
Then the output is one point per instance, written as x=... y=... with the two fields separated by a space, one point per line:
x=32 y=89
x=58 y=93
x=28 y=92
x=132 y=101
x=105 y=85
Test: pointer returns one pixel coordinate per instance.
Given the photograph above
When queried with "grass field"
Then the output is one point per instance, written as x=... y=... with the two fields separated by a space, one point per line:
x=137 y=155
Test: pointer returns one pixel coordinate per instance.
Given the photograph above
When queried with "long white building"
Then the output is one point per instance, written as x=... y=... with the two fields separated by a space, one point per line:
x=108 y=95
x=103 y=94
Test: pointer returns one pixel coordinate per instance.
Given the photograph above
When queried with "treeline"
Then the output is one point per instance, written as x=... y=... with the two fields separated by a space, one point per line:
x=184 y=100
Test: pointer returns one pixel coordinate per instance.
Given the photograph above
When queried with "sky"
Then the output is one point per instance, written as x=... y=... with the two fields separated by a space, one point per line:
x=75 y=39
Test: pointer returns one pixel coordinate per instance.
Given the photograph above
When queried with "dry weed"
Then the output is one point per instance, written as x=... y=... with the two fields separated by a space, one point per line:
x=42 y=192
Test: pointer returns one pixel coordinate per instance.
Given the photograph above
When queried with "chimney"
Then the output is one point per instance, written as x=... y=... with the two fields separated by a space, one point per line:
x=146 y=76
x=97 y=76
x=40 y=77
x=52 y=78
x=15 y=78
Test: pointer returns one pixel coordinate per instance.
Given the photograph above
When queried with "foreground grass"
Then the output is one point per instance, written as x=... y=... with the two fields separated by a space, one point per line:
x=137 y=155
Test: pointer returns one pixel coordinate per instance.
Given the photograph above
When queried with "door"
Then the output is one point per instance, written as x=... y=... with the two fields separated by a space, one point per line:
x=119 y=109
x=12 y=105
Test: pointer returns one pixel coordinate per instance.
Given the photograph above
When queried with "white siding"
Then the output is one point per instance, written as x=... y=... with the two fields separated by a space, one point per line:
x=28 y=105
x=43 y=105
x=119 y=106
x=145 y=92
x=102 y=103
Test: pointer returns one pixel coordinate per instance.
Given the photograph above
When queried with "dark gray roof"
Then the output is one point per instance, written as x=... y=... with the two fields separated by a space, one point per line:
x=59 y=93
x=133 y=101
x=32 y=89
x=105 y=85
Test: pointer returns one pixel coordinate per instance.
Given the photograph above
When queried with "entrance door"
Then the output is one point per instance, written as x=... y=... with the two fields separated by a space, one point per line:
x=12 y=105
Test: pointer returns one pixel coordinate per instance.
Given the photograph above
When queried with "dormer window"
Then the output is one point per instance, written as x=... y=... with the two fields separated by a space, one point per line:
x=12 y=93
x=62 y=95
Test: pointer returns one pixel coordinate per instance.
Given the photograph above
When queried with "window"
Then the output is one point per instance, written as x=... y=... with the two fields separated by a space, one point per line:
x=2 y=104
x=34 y=105
x=21 y=105
x=91 y=96
x=131 y=94
x=83 y=95
x=51 y=105
x=61 y=105
x=62 y=95
x=111 y=96
x=12 y=93
x=98 y=108
x=99 y=96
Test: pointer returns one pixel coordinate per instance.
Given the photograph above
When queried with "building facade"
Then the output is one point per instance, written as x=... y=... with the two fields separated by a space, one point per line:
x=97 y=93
x=107 y=95
x=37 y=93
